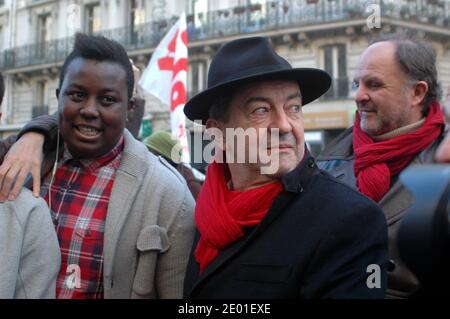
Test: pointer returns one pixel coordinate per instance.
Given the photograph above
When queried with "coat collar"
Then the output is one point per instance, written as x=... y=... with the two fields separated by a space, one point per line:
x=295 y=181
x=294 y=184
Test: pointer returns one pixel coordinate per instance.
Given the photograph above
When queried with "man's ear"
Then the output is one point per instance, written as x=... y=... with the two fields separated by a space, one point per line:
x=419 y=91
x=131 y=104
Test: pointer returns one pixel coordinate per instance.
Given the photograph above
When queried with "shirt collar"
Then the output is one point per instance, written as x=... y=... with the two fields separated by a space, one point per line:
x=91 y=165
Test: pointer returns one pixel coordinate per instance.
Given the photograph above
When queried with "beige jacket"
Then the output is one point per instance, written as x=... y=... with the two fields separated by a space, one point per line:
x=149 y=227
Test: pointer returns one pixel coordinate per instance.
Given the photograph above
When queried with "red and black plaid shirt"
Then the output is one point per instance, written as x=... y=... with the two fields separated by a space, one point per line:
x=80 y=195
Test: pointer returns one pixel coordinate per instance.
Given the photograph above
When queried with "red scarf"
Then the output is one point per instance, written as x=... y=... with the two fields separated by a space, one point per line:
x=221 y=215
x=376 y=162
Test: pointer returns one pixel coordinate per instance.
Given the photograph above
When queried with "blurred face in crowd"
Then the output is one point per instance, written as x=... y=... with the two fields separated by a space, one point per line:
x=263 y=106
x=386 y=100
x=93 y=104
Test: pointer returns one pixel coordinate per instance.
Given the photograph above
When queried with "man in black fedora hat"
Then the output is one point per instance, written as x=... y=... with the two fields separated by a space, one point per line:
x=274 y=225
x=294 y=232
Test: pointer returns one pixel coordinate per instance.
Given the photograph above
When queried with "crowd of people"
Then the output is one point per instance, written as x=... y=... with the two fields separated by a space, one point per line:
x=88 y=211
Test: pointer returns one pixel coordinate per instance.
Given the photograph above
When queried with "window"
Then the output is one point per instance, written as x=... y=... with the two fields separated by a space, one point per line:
x=41 y=108
x=136 y=19
x=92 y=18
x=196 y=77
x=44 y=23
x=199 y=22
x=2 y=38
x=335 y=63
x=255 y=13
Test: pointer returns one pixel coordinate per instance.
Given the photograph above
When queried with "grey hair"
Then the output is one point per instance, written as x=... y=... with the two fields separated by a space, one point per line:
x=417 y=59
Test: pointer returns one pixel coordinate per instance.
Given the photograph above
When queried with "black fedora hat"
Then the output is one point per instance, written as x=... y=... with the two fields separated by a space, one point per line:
x=249 y=59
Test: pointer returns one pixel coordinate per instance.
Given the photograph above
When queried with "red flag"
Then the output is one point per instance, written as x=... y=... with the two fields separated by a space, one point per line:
x=166 y=78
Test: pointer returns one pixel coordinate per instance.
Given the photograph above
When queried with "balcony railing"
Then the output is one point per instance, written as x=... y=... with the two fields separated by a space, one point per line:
x=273 y=15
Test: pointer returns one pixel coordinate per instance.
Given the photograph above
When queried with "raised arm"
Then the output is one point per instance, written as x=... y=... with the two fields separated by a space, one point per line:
x=25 y=156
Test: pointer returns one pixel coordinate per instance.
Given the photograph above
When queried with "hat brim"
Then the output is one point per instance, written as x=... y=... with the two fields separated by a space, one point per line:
x=313 y=84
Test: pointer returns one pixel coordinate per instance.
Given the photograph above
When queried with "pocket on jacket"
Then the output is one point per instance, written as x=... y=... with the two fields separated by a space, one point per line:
x=153 y=237
x=264 y=273
x=151 y=241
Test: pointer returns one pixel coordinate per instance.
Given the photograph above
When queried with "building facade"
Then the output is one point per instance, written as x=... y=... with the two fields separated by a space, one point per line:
x=36 y=36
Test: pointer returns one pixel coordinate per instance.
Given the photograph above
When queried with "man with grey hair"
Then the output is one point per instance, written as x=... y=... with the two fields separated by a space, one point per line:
x=399 y=123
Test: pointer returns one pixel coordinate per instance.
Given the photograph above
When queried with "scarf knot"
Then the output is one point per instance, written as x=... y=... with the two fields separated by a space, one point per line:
x=221 y=215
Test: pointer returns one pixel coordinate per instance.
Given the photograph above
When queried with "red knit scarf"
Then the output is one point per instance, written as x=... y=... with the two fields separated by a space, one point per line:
x=221 y=215
x=376 y=162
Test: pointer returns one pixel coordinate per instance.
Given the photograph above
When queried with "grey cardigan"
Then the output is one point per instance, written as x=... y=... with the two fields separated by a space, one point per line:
x=29 y=250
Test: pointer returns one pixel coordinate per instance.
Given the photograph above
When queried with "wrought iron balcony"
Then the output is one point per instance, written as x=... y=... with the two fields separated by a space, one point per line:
x=273 y=15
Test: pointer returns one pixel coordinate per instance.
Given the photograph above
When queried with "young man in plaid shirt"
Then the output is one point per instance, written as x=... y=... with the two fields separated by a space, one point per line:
x=124 y=218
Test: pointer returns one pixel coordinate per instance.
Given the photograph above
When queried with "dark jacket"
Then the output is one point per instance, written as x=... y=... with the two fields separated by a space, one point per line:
x=338 y=160
x=316 y=241
x=5 y=145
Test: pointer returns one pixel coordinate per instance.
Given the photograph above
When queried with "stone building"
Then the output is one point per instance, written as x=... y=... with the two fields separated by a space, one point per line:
x=36 y=36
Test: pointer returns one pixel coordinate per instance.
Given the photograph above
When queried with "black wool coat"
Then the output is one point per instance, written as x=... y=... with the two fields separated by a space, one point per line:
x=320 y=239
